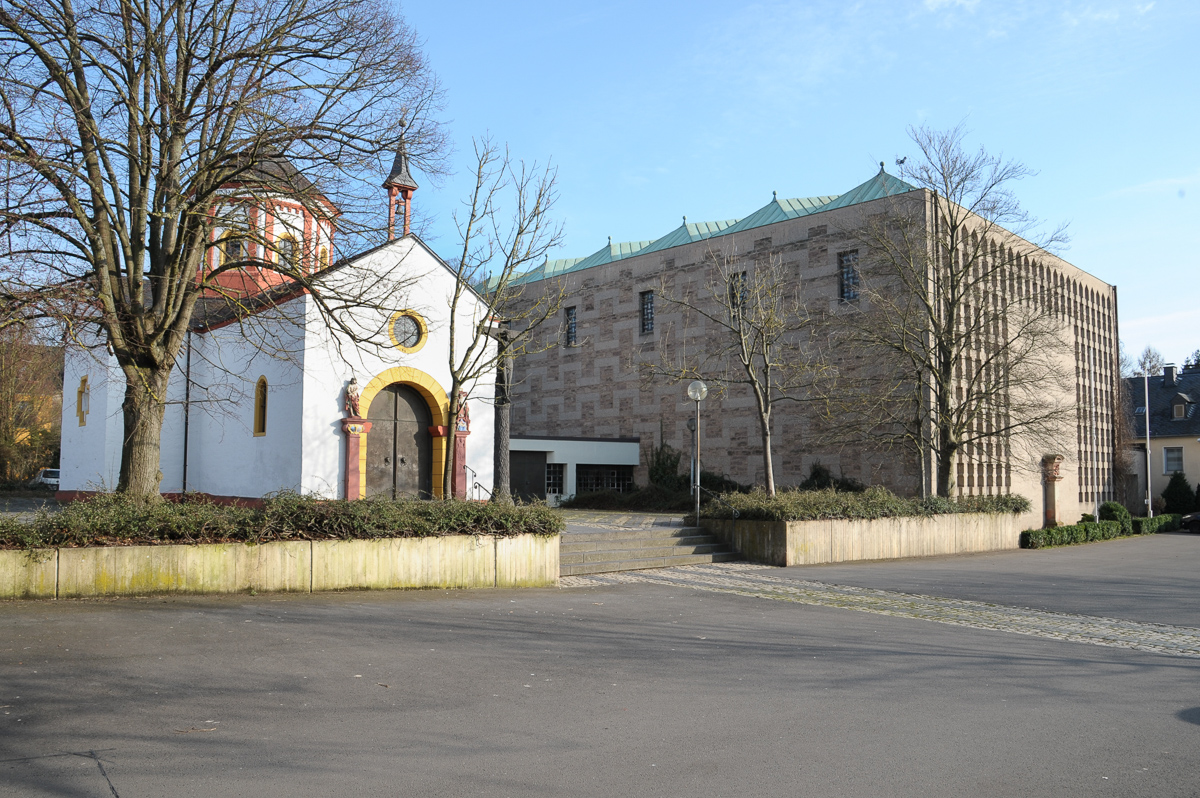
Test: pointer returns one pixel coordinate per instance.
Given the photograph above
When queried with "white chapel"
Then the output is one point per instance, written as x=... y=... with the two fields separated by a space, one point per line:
x=269 y=396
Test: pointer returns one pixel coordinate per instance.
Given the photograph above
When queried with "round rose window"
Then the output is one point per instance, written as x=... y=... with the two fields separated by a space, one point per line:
x=407 y=331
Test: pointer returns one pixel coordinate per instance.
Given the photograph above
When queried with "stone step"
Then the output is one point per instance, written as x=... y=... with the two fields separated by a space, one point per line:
x=635 y=534
x=587 y=543
x=581 y=569
x=642 y=553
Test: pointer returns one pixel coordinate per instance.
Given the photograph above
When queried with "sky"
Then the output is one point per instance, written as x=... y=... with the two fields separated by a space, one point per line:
x=652 y=111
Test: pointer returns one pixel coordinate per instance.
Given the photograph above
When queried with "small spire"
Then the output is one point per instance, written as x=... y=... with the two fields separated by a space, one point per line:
x=610 y=241
x=400 y=176
x=775 y=196
x=881 y=167
x=685 y=221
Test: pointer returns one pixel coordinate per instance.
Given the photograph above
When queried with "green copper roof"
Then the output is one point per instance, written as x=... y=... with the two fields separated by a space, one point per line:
x=688 y=233
x=880 y=186
x=777 y=210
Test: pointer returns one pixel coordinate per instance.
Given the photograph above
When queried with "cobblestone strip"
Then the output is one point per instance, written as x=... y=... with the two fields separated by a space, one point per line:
x=753 y=580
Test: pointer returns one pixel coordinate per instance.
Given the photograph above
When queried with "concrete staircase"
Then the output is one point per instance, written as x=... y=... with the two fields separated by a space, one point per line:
x=596 y=551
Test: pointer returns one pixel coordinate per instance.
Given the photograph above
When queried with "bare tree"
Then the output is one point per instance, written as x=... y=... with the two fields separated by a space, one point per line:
x=1149 y=363
x=945 y=349
x=507 y=226
x=131 y=133
x=744 y=327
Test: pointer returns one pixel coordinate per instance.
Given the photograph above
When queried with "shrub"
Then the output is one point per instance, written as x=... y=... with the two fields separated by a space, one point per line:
x=875 y=502
x=1178 y=496
x=664 y=469
x=1115 y=511
x=113 y=519
x=1099 y=530
x=1159 y=523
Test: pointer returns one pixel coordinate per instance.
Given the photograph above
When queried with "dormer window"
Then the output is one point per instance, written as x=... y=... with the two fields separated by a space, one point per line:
x=1180 y=410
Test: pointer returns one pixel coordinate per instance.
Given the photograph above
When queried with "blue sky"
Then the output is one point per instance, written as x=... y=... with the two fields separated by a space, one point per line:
x=656 y=110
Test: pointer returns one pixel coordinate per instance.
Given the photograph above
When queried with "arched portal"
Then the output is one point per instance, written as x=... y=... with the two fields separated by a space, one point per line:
x=399 y=447
x=435 y=400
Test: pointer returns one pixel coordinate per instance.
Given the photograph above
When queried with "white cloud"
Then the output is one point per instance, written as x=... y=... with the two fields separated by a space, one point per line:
x=1159 y=186
x=1144 y=8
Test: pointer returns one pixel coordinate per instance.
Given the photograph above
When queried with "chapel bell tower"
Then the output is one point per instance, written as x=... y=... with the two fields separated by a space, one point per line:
x=400 y=187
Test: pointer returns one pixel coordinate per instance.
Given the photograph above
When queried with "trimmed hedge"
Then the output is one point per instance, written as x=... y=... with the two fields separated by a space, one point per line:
x=1167 y=522
x=114 y=520
x=1098 y=530
x=875 y=502
x=1114 y=511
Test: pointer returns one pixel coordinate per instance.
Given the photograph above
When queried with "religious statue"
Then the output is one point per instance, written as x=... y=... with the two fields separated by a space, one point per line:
x=464 y=415
x=352 y=398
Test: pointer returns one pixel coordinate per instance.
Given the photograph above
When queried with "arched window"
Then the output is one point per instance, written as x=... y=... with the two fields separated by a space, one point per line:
x=285 y=245
x=323 y=259
x=260 y=408
x=234 y=249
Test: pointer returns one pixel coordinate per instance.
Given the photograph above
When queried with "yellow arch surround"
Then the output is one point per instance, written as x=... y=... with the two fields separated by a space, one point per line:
x=439 y=410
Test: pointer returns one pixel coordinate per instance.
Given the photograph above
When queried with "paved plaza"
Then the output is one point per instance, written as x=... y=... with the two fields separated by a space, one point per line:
x=1069 y=671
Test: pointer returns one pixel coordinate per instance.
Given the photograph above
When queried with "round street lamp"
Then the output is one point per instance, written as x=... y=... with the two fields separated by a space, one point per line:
x=696 y=391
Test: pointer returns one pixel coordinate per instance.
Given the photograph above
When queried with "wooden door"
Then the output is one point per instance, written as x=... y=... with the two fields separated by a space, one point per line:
x=399 y=446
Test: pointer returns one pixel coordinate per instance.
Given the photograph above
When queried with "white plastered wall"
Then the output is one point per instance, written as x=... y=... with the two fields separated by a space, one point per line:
x=91 y=453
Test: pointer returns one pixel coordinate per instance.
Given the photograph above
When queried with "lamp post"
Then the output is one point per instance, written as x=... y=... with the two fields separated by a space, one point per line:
x=696 y=391
x=1146 y=401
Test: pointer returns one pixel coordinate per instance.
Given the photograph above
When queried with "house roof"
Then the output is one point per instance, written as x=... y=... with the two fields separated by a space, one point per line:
x=777 y=210
x=1163 y=398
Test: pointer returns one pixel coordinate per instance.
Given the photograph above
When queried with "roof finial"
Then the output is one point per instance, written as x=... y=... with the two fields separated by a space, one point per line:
x=881 y=167
x=685 y=220
x=775 y=196
x=610 y=241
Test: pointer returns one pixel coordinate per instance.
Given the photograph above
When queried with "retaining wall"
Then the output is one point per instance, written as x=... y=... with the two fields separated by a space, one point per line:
x=813 y=542
x=458 y=561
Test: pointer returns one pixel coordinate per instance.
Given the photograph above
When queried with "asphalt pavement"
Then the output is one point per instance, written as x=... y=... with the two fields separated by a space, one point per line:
x=628 y=688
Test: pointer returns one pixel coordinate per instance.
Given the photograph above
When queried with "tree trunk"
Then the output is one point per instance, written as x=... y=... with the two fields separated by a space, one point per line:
x=145 y=402
x=501 y=490
x=448 y=465
x=768 y=468
x=947 y=450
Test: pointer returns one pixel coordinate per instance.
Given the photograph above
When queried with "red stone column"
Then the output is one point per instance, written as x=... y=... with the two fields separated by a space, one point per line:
x=1051 y=475
x=356 y=430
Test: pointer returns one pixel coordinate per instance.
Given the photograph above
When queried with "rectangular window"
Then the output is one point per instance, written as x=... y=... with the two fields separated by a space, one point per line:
x=590 y=478
x=554 y=478
x=1172 y=460
x=647 y=305
x=1180 y=410
x=848 y=275
x=569 y=329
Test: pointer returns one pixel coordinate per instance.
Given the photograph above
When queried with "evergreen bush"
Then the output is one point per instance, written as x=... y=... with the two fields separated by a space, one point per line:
x=1178 y=496
x=1114 y=511
x=874 y=502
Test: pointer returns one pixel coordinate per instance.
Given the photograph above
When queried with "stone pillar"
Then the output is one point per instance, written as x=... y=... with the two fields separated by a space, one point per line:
x=1051 y=465
x=462 y=428
x=438 y=435
x=356 y=430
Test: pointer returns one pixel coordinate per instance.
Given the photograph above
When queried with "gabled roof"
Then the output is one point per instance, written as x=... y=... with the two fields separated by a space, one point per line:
x=688 y=233
x=608 y=254
x=1163 y=399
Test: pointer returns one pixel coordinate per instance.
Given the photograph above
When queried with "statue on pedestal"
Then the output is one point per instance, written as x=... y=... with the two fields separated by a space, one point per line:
x=352 y=398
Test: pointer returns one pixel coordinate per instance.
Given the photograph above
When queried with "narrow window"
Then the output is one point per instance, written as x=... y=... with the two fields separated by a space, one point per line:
x=83 y=401
x=569 y=333
x=323 y=258
x=737 y=291
x=647 y=304
x=848 y=275
x=234 y=249
x=260 y=408
x=1180 y=410
x=1172 y=459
